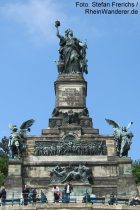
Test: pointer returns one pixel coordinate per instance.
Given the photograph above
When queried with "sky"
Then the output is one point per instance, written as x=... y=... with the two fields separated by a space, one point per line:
x=29 y=47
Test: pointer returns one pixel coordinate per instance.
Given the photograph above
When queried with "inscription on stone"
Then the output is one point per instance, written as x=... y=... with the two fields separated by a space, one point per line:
x=70 y=92
x=71 y=96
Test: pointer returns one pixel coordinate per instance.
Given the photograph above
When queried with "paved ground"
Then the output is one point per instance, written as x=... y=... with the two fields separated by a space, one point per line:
x=73 y=206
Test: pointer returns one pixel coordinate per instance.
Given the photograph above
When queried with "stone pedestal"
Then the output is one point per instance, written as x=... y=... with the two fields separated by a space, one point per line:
x=126 y=182
x=14 y=180
x=71 y=91
x=70 y=106
x=72 y=140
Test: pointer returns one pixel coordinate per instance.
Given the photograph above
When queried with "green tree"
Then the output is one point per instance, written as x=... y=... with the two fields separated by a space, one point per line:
x=136 y=171
x=4 y=145
x=3 y=168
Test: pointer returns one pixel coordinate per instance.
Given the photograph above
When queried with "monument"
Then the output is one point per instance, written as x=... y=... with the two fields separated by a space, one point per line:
x=71 y=148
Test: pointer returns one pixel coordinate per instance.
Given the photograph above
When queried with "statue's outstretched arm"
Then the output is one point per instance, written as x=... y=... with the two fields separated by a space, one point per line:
x=57 y=34
x=129 y=124
x=57 y=24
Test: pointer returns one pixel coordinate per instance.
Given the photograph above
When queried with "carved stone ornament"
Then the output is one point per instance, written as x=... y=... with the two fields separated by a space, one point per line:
x=79 y=173
x=70 y=147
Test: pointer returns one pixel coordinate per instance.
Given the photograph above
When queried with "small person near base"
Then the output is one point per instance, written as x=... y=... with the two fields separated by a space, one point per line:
x=68 y=189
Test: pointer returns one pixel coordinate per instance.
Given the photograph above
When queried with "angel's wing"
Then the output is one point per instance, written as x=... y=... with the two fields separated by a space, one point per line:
x=27 y=124
x=112 y=123
x=116 y=127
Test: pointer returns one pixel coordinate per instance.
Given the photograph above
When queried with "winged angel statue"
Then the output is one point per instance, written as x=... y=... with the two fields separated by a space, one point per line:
x=16 y=139
x=122 y=136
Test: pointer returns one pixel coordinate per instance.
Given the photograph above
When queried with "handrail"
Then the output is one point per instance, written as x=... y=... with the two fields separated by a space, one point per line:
x=19 y=198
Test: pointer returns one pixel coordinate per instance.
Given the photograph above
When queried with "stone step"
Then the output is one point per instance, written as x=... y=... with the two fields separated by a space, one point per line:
x=73 y=206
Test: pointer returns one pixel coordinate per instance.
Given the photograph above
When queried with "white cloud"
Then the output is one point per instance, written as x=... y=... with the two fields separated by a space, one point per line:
x=37 y=15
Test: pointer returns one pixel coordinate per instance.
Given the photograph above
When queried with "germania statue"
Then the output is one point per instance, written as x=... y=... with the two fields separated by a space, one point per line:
x=72 y=53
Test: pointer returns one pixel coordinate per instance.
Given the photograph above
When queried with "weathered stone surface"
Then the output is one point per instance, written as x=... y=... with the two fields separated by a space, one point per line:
x=138 y=188
x=65 y=159
x=13 y=182
x=70 y=92
x=127 y=186
x=68 y=206
x=70 y=96
x=90 y=131
x=105 y=171
x=50 y=131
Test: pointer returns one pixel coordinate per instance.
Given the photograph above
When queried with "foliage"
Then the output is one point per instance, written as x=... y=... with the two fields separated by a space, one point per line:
x=3 y=168
x=136 y=171
x=4 y=145
x=2 y=178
